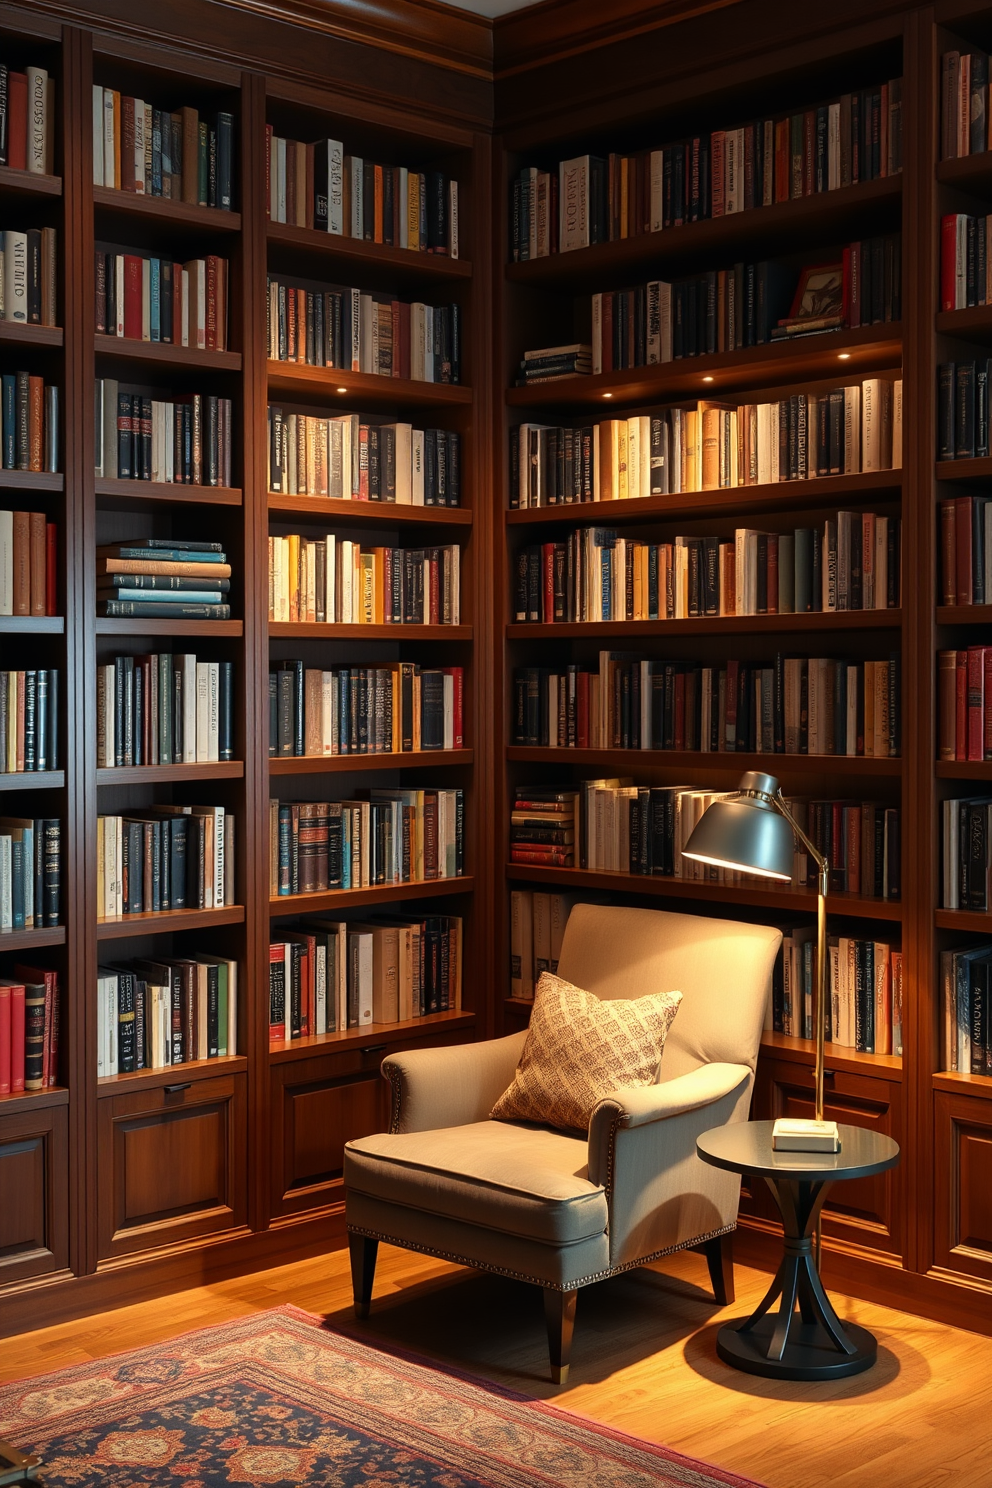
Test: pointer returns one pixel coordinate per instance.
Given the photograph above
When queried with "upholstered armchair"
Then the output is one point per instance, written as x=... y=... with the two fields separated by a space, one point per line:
x=561 y=1209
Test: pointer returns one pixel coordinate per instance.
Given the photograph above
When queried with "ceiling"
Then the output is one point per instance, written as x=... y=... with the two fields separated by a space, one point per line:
x=491 y=8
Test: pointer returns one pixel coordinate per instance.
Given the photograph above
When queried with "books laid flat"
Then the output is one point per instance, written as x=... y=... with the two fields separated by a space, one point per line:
x=118 y=564
x=790 y=1134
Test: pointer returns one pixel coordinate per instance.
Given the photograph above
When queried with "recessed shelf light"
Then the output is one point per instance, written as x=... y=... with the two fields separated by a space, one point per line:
x=342 y=390
x=607 y=395
x=843 y=356
x=707 y=379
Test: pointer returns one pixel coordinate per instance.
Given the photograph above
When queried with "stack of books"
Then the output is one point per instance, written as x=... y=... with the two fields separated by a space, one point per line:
x=966 y=1021
x=164 y=857
x=29 y=1030
x=27 y=136
x=28 y=564
x=391 y=709
x=29 y=276
x=149 y=151
x=30 y=423
x=185 y=441
x=336 y=581
x=30 y=872
x=537 y=928
x=140 y=580
x=964 y=103
x=153 y=299
x=163 y=710
x=153 y=1014
x=348 y=460
x=865 y=992
x=965 y=550
x=555 y=364
x=963 y=410
x=544 y=826
x=29 y=721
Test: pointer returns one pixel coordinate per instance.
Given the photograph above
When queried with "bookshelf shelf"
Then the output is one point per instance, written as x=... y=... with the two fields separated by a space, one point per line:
x=970 y=172
x=374 y=1034
x=284 y=905
x=17 y=333
x=30 y=940
x=826 y=491
x=956 y=1082
x=150 y=774
x=32 y=482
x=34 y=1100
x=964 y=614
x=963 y=919
x=808 y=358
x=27 y=183
x=132 y=492
x=163 y=354
x=964 y=769
x=128 y=206
x=331 y=248
x=291 y=379
x=786 y=900
x=166 y=921
x=839 y=1057
x=710 y=761
x=32 y=625
x=348 y=764
x=974 y=324
x=367 y=513
x=178 y=1075
x=33 y=780
x=853 y=211
x=841 y=620
x=305 y=630
x=149 y=626
x=965 y=470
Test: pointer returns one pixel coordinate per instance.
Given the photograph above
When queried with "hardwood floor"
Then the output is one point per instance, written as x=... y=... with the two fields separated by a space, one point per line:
x=643 y=1362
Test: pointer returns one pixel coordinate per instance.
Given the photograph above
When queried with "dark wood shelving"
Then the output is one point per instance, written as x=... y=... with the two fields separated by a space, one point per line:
x=283 y=905
x=33 y=780
x=963 y=919
x=27 y=183
x=141 y=625
x=129 y=492
x=690 y=759
x=162 y=211
x=334 y=764
x=31 y=481
x=839 y=1057
x=19 y=333
x=374 y=1034
x=150 y=774
x=34 y=1100
x=29 y=940
x=365 y=513
x=164 y=354
x=366 y=389
x=173 y=1074
x=334 y=248
x=778 y=901
x=163 y=922
x=875 y=347
x=873 y=485
x=32 y=625
x=308 y=630
x=964 y=614
x=964 y=769
x=965 y=470
x=974 y=324
x=818 y=623
x=957 y=1082
x=970 y=172
x=784 y=227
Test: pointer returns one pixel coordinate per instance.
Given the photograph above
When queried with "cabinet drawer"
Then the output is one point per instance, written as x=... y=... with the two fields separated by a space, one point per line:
x=172 y=1163
x=34 y=1192
x=962 y=1161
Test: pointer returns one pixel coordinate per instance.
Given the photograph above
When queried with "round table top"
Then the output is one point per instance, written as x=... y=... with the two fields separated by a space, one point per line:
x=746 y=1147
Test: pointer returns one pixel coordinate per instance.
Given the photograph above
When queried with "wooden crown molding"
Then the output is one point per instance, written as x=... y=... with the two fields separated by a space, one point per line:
x=557 y=29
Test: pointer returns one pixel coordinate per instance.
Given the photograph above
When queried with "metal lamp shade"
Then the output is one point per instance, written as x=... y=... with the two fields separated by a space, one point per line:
x=746 y=833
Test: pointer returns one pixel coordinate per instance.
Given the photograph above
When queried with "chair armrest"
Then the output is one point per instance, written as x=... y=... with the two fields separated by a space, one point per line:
x=450 y=1086
x=637 y=1105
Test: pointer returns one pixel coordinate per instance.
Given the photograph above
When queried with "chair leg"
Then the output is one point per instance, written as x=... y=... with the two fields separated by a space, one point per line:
x=363 y=1254
x=720 y=1260
x=559 y=1314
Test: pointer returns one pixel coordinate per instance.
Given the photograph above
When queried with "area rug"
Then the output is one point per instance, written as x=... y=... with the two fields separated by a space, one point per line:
x=277 y=1398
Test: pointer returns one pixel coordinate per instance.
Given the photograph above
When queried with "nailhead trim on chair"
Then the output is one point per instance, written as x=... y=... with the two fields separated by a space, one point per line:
x=394 y=1075
x=460 y=1260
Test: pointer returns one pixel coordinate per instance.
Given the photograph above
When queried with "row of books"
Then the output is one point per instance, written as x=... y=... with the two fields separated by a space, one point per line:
x=851 y=563
x=149 y=298
x=964 y=704
x=183 y=441
x=746 y=305
x=139 y=148
x=29 y=276
x=358 y=332
x=29 y=721
x=154 y=1014
x=966 y=1024
x=348 y=460
x=864 y=987
x=963 y=410
x=966 y=853
x=30 y=872
x=29 y=1030
x=395 y=836
x=589 y=199
x=27 y=119
x=337 y=581
x=122 y=571
x=796 y=705
x=320 y=187
x=537 y=929
x=164 y=857
x=29 y=422
x=964 y=103
x=965 y=550
x=711 y=446
x=163 y=710
x=333 y=975
x=28 y=564
x=392 y=709
x=965 y=271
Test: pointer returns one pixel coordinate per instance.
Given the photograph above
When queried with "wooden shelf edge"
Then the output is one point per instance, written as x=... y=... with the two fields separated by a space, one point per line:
x=297 y=377
x=148 y=625
x=166 y=921
x=25 y=940
x=957 y=1082
x=140 y=490
x=164 y=353
x=29 y=183
x=677 y=759
x=173 y=1074
x=335 y=1043
x=975 y=920
x=358 y=250
x=20 y=333
x=310 y=630
x=328 y=900
x=32 y=625
x=963 y=769
x=839 y=1056
x=817 y=622
x=389 y=512
x=957 y=470
x=148 y=774
x=33 y=1100
x=165 y=209
x=38 y=481
x=329 y=764
x=33 y=780
x=964 y=614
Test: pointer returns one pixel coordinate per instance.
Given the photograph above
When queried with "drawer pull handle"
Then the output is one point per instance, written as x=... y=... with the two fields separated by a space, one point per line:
x=827 y=1074
x=176 y=1089
x=373 y=1049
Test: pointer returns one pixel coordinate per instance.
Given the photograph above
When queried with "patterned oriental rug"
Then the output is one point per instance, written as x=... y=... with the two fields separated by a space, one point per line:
x=276 y=1398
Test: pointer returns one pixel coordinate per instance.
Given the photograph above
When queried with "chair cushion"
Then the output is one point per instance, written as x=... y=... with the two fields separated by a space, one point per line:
x=523 y=1180
x=579 y=1049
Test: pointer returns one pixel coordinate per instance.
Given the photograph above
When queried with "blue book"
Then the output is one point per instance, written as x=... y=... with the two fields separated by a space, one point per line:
x=170 y=596
x=9 y=421
x=345 y=849
x=155 y=299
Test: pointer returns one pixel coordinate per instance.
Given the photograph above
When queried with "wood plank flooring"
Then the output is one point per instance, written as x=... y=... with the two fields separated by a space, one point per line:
x=643 y=1361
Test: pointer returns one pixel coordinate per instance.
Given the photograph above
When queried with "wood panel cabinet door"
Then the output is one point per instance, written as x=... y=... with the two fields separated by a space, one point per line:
x=172 y=1164
x=962 y=1160
x=34 y=1193
x=865 y=1215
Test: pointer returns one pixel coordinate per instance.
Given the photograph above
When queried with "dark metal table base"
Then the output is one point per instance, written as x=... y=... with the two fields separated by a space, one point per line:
x=810 y=1344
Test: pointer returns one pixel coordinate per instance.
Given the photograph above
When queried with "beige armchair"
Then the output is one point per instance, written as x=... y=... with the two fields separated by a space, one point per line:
x=558 y=1209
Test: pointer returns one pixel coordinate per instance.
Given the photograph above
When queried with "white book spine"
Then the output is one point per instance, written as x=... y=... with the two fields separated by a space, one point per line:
x=38 y=122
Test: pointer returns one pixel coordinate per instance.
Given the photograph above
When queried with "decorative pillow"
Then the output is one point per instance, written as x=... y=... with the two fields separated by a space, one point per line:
x=580 y=1049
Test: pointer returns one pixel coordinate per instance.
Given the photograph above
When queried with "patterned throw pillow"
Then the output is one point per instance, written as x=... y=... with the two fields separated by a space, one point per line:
x=580 y=1049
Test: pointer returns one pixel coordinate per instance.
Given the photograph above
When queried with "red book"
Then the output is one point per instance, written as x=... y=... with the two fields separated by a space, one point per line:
x=948 y=261
x=961 y=707
x=132 y=296
x=17 y=120
x=434 y=570
x=809 y=152
x=51 y=568
x=548 y=568
x=948 y=553
x=457 y=676
x=128 y=182
x=16 y=1037
x=976 y=702
x=962 y=550
x=853 y=818
x=4 y=1040
x=582 y=711
x=549 y=857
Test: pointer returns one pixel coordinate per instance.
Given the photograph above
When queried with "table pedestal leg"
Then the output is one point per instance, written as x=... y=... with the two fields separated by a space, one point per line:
x=815 y=1344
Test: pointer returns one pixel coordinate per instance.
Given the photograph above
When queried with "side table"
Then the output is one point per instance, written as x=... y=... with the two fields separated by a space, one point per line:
x=816 y=1345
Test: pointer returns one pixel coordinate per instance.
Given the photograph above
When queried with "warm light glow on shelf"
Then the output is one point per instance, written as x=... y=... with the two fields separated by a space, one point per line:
x=843 y=356
x=342 y=390
x=607 y=395
x=707 y=379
